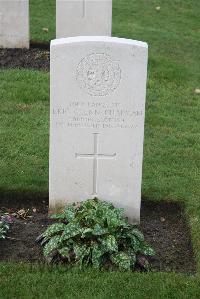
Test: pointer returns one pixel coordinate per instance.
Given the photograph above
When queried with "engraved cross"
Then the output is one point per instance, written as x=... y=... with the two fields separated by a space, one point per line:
x=95 y=156
x=1 y=23
x=84 y=8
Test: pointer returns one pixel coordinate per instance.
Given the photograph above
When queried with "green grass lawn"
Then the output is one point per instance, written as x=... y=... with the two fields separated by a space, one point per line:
x=171 y=152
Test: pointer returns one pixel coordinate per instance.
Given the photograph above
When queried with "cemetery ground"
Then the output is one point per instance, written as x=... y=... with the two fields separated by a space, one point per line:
x=171 y=155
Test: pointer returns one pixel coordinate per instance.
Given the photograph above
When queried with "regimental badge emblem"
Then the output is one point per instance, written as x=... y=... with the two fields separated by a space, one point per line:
x=98 y=74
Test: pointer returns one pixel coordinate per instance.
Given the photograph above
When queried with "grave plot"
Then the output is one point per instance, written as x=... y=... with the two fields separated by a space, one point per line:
x=169 y=237
x=157 y=221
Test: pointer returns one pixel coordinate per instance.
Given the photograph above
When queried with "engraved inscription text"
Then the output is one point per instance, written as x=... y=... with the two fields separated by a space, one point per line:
x=96 y=115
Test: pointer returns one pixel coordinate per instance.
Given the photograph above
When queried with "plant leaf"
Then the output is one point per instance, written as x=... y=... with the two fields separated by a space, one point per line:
x=64 y=252
x=135 y=244
x=138 y=234
x=81 y=252
x=86 y=232
x=58 y=216
x=51 y=245
x=96 y=256
x=90 y=204
x=71 y=230
x=69 y=212
x=147 y=250
x=98 y=230
x=132 y=256
x=122 y=260
x=53 y=229
x=109 y=244
x=114 y=220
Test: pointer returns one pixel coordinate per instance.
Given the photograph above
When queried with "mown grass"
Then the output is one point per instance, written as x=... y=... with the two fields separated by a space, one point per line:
x=24 y=106
x=42 y=20
x=25 y=281
x=171 y=151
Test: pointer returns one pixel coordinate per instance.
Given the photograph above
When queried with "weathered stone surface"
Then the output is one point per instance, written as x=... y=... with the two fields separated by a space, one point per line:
x=98 y=87
x=14 y=23
x=83 y=17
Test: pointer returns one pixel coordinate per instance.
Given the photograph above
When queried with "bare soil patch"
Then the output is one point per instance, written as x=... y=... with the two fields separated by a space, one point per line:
x=33 y=58
x=164 y=225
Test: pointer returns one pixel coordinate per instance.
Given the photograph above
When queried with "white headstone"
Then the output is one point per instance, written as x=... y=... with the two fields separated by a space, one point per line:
x=98 y=87
x=83 y=17
x=14 y=23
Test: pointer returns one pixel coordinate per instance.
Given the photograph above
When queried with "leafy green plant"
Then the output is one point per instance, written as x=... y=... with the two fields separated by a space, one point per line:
x=4 y=227
x=94 y=233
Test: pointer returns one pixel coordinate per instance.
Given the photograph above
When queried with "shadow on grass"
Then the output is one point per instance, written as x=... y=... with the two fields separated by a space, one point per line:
x=39 y=45
x=23 y=199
